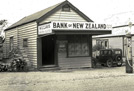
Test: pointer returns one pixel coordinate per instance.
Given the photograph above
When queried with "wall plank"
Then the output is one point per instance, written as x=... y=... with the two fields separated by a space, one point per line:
x=71 y=62
x=12 y=33
x=71 y=16
x=29 y=31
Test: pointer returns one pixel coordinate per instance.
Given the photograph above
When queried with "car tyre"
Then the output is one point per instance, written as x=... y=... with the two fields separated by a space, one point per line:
x=109 y=63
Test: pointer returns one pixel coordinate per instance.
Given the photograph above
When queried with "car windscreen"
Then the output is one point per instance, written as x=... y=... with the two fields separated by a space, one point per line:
x=106 y=52
x=117 y=52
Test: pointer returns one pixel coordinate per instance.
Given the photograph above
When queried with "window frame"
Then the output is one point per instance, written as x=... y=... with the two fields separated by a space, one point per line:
x=25 y=44
x=11 y=43
x=64 y=8
x=80 y=43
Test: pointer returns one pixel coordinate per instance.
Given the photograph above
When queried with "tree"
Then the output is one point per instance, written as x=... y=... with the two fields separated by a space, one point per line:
x=3 y=25
x=97 y=47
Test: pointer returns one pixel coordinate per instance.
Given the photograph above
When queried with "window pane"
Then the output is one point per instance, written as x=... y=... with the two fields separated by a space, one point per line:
x=66 y=8
x=105 y=43
x=110 y=52
x=117 y=52
x=78 y=46
x=11 y=43
x=105 y=52
x=25 y=42
x=77 y=49
x=71 y=49
x=85 y=50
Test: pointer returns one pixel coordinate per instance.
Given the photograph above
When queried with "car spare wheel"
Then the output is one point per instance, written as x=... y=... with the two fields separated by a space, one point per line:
x=109 y=63
x=119 y=61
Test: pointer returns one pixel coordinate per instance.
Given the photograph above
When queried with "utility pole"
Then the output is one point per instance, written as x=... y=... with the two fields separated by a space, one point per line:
x=129 y=61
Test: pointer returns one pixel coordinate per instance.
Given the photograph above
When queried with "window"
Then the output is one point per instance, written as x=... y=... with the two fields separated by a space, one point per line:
x=78 y=46
x=66 y=8
x=25 y=42
x=99 y=42
x=11 y=45
x=105 y=52
x=103 y=43
x=106 y=43
x=110 y=52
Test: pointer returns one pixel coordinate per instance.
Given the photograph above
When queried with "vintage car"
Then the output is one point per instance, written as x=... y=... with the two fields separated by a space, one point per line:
x=109 y=57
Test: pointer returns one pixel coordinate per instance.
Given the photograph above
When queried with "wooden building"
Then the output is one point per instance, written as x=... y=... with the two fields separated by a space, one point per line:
x=59 y=36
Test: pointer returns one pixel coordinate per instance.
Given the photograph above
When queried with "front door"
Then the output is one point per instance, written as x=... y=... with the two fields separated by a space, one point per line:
x=48 y=50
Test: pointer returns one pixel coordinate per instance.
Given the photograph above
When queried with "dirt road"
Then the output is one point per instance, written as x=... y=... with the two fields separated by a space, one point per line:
x=100 y=79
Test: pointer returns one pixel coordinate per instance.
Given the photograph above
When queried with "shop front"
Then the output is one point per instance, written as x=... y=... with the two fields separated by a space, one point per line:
x=67 y=44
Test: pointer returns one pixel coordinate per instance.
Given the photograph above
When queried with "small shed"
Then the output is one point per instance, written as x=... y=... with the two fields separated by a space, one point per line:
x=59 y=36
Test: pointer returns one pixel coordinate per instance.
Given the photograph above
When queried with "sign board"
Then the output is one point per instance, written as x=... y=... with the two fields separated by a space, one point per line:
x=55 y=25
x=44 y=29
x=80 y=26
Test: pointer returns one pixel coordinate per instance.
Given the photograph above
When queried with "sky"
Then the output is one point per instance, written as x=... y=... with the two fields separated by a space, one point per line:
x=97 y=10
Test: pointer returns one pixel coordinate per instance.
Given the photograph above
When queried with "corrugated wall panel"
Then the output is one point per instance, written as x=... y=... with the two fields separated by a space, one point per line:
x=116 y=42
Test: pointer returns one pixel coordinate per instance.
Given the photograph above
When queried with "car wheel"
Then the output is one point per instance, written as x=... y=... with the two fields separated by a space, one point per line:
x=109 y=63
x=119 y=61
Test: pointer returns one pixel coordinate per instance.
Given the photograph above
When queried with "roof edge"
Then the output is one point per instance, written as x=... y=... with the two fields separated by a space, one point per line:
x=51 y=12
x=59 y=6
x=122 y=26
x=19 y=25
x=81 y=13
x=110 y=36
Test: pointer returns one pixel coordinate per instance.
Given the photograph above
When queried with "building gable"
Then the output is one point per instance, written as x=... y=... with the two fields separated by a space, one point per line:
x=43 y=14
x=57 y=14
x=64 y=16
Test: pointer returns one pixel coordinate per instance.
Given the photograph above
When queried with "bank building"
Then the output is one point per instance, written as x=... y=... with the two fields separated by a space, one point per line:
x=58 y=36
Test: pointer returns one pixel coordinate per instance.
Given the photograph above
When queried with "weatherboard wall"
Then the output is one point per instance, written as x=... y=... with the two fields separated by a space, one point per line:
x=72 y=62
x=8 y=34
x=60 y=15
x=29 y=31
x=26 y=31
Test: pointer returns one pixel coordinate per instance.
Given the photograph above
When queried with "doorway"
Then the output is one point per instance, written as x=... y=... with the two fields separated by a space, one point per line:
x=48 y=50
